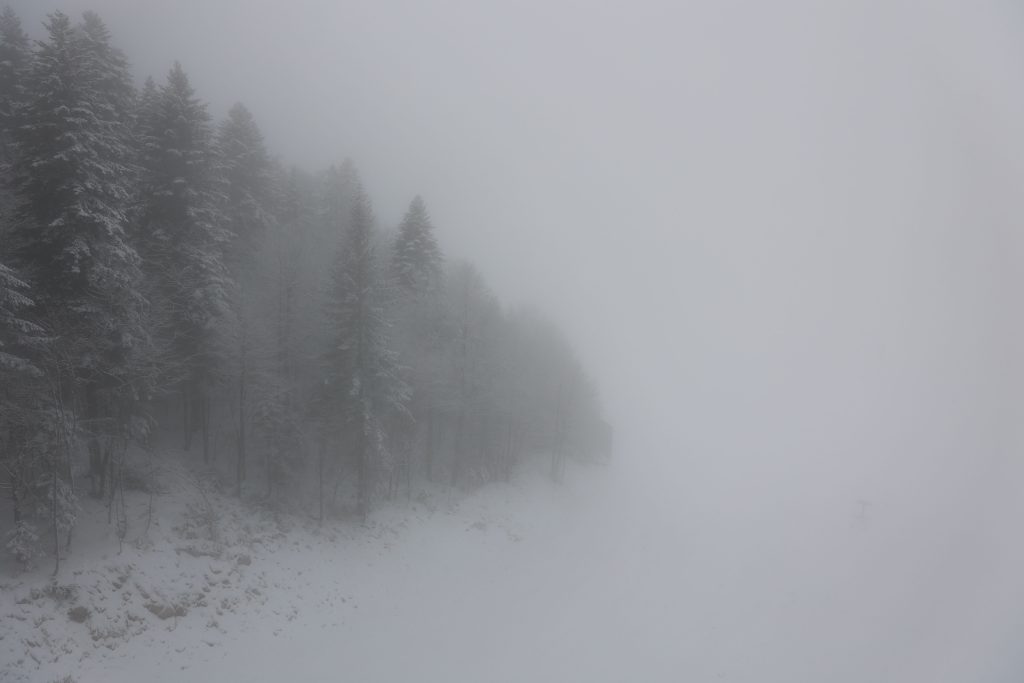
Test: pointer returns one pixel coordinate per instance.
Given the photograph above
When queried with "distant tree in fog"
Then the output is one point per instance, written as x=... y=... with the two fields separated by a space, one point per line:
x=15 y=59
x=420 y=318
x=416 y=259
x=361 y=364
x=247 y=214
x=21 y=394
x=183 y=238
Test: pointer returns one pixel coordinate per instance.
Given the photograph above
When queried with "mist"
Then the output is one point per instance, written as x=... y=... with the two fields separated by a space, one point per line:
x=784 y=240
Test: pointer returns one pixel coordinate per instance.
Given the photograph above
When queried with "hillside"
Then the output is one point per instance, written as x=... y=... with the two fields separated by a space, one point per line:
x=208 y=571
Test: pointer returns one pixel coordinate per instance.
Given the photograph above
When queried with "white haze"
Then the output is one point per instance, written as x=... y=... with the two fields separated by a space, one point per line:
x=786 y=239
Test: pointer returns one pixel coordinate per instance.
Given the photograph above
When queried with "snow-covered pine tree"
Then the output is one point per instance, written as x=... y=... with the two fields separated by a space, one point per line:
x=277 y=405
x=416 y=259
x=362 y=367
x=284 y=254
x=418 y=313
x=474 y=328
x=110 y=75
x=183 y=239
x=19 y=337
x=19 y=393
x=146 y=107
x=246 y=169
x=15 y=58
x=336 y=193
x=74 y=178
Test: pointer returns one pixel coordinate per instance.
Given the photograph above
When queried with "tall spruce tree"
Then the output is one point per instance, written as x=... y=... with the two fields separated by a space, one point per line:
x=74 y=178
x=246 y=168
x=277 y=405
x=18 y=336
x=362 y=367
x=419 y=319
x=15 y=59
x=247 y=214
x=183 y=239
x=416 y=260
x=21 y=396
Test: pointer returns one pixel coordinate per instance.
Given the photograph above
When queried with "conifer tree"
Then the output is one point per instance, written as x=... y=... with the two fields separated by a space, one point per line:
x=246 y=169
x=19 y=397
x=419 y=317
x=15 y=58
x=183 y=238
x=362 y=367
x=18 y=336
x=277 y=406
x=73 y=180
x=416 y=260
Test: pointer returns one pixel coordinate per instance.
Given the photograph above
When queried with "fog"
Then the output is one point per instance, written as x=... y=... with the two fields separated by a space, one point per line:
x=785 y=239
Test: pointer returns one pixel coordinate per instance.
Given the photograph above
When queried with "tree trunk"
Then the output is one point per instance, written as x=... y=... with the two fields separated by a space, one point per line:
x=96 y=471
x=430 y=444
x=204 y=417
x=362 y=503
x=240 y=473
x=320 y=478
x=506 y=465
x=186 y=420
x=460 y=446
x=53 y=516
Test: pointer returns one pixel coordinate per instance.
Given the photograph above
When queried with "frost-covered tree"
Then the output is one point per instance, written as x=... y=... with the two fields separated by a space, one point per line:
x=362 y=367
x=15 y=58
x=474 y=327
x=18 y=336
x=416 y=258
x=419 y=316
x=247 y=215
x=287 y=318
x=19 y=395
x=73 y=178
x=246 y=169
x=183 y=239
x=109 y=72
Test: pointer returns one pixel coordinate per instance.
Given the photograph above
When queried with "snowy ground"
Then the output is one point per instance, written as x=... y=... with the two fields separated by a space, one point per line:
x=600 y=579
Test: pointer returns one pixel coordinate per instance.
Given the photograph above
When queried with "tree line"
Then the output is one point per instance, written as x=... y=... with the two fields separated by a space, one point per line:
x=165 y=280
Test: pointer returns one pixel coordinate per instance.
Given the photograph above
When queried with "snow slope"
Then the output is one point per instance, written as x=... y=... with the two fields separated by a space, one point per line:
x=604 y=578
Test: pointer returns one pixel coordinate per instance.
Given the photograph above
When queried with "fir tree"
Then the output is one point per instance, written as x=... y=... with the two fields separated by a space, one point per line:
x=15 y=58
x=16 y=333
x=416 y=260
x=74 y=180
x=19 y=394
x=183 y=237
x=418 y=313
x=277 y=406
x=362 y=367
x=246 y=170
